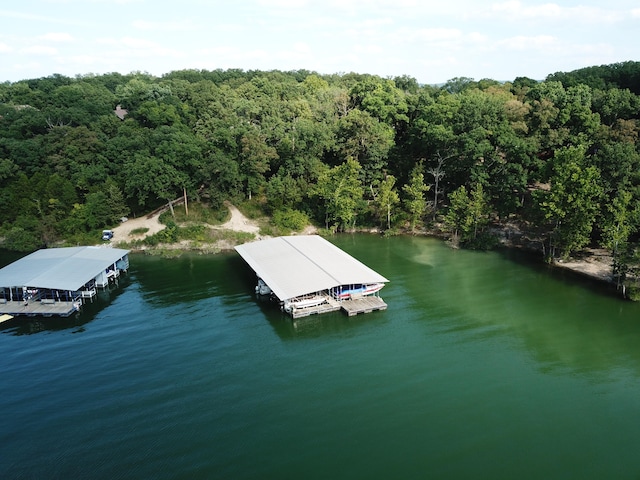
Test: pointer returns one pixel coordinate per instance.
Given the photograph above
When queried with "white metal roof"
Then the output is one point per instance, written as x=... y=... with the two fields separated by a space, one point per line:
x=301 y=264
x=60 y=268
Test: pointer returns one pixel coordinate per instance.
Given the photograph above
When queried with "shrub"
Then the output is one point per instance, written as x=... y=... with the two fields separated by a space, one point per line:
x=290 y=219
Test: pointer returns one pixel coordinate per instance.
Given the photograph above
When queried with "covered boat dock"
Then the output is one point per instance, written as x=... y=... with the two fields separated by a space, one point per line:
x=307 y=274
x=56 y=281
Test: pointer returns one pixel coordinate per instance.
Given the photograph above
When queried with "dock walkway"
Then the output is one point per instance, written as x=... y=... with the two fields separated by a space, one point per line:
x=46 y=309
x=353 y=306
x=365 y=304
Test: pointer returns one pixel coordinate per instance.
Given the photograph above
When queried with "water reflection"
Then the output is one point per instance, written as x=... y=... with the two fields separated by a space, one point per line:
x=190 y=277
x=565 y=322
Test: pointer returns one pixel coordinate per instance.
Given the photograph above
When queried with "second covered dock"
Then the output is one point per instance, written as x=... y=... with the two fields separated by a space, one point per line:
x=308 y=274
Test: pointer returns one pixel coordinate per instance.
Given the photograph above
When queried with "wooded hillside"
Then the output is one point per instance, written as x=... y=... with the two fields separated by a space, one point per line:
x=561 y=155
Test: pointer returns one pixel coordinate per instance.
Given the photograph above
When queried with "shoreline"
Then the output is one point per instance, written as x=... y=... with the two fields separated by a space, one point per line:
x=592 y=263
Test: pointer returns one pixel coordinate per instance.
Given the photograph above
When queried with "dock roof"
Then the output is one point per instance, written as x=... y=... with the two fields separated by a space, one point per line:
x=60 y=268
x=298 y=265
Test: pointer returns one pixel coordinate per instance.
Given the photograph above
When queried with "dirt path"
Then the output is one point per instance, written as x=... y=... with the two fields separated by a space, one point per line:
x=123 y=232
x=238 y=222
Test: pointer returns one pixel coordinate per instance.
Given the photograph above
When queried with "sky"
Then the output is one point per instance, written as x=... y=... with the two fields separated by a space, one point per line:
x=427 y=40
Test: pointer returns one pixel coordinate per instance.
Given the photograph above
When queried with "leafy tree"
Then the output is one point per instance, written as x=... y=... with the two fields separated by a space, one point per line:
x=386 y=198
x=619 y=223
x=340 y=191
x=254 y=159
x=457 y=216
x=365 y=139
x=283 y=191
x=458 y=84
x=468 y=214
x=415 y=202
x=573 y=201
x=380 y=99
x=152 y=178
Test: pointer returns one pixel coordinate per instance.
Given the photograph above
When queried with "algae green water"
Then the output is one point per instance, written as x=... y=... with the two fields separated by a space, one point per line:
x=484 y=365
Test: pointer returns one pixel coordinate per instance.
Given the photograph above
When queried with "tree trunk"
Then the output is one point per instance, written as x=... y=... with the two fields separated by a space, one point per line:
x=388 y=216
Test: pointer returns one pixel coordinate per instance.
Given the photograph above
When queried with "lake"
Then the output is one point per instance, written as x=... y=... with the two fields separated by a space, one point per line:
x=485 y=365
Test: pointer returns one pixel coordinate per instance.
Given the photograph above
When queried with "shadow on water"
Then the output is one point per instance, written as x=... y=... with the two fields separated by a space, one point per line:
x=535 y=261
x=190 y=277
x=321 y=325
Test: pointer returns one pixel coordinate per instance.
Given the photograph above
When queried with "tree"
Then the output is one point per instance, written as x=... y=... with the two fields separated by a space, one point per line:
x=341 y=191
x=438 y=173
x=366 y=140
x=386 y=199
x=150 y=177
x=573 y=201
x=457 y=216
x=468 y=214
x=254 y=159
x=415 y=201
x=618 y=225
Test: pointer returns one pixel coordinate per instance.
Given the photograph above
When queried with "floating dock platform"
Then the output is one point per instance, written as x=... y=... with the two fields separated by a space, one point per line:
x=367 y=304
x=39 y=308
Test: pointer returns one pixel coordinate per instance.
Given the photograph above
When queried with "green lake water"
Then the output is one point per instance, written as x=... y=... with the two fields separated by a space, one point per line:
x=484 y=365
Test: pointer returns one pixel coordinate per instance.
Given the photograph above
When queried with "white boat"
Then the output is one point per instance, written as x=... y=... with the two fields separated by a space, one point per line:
x=304 y=302
x=262 y=288
x=359 y=290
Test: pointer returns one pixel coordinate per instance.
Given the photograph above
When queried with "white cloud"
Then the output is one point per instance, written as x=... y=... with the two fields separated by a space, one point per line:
x=30 y=17
x=516 y=10
x=522 y=42
x=56 y=37
x=301 y=47
x=39 y=50
x=635 y=13
x=433 y=35
x=283 y=3
x=4 y=48
x=146 y=25
x=128 y=42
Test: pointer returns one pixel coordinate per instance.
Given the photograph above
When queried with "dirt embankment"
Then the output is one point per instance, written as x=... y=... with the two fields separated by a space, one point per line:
x=139 y=228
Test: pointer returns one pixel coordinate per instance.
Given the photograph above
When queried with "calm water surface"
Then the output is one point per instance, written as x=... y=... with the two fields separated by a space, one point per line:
x=484 y=365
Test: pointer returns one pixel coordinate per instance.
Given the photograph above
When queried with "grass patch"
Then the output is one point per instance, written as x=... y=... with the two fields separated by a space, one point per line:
x=252 y=209
x=198 y=213
x=230 y=236
x=139 y=231
x=197 y=235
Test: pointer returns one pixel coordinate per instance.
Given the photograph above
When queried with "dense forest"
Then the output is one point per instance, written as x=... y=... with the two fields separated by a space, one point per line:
x=560 y=157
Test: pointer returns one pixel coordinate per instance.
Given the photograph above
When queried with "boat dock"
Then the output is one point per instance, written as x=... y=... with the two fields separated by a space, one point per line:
x=309 y=275
x=56 y=281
